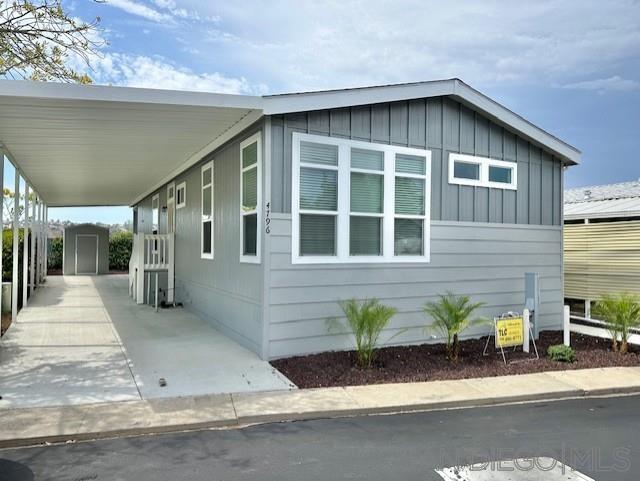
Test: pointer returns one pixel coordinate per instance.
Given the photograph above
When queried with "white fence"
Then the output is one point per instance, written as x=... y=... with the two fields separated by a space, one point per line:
x=598 y=328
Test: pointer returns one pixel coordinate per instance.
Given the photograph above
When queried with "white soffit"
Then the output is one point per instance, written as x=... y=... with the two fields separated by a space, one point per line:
x=93 y=145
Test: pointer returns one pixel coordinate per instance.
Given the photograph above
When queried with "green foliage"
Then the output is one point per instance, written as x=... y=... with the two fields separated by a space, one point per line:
x=365 y=320
x=621 y=312
x=7 y=253
x=451 y=316
x=120 y=247
x=54 y=259
x=37 y=37
x=561 y=353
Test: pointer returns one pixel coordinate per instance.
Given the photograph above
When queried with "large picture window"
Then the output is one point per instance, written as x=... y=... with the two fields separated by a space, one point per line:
x=250 y=198
x=356 y=201
x=207 y=221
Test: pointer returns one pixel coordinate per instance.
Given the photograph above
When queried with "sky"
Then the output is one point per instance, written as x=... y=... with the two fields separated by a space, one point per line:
x=571 y=67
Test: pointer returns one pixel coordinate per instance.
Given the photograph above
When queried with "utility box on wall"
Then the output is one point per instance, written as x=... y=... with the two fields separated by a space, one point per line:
x=85 y=250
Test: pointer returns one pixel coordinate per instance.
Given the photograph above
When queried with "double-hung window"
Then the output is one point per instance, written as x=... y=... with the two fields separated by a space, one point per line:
x=482 y=172
x=206 y=211
x=250 y=198
x=181 y=193
x=356 y=201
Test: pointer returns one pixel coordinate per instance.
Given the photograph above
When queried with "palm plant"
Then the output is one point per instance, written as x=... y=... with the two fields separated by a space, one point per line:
x=365 y=320
x=452 y=315
x=621 y=312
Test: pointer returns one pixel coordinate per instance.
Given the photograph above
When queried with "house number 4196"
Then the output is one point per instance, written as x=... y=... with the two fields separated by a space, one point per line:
x=267 y=218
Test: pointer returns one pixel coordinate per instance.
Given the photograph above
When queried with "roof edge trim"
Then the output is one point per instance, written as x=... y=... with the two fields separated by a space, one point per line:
x=107 y=93
x=321 y=100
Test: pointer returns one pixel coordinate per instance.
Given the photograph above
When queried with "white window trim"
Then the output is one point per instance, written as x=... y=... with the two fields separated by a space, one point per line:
x=344 y=204
x=253 y=259
x=484 y=163
x=181 y=186
x=171 y=201
x=154 y=199
x=205 y=167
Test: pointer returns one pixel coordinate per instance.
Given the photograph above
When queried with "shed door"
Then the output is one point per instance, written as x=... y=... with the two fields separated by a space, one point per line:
x=86 y=254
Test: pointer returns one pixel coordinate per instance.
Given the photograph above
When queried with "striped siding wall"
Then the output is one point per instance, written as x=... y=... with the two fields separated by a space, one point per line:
x=486 y=261
x=441 y=125
x=223 y=291
x=600 y=258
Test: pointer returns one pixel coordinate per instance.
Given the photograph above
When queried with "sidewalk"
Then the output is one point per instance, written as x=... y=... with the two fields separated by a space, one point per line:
x=90 y=421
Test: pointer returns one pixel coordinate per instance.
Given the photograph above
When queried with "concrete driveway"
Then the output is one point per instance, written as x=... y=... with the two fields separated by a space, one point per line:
x=82 y=340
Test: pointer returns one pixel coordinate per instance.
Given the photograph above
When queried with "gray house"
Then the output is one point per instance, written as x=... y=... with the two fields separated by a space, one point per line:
x=260 y=213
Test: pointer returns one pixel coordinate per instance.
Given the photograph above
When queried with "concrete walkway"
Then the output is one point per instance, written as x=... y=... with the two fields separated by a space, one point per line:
x=82 y=340
x=30 y=426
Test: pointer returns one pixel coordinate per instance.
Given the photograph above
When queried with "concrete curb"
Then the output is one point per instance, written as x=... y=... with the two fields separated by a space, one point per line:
x=232 y=411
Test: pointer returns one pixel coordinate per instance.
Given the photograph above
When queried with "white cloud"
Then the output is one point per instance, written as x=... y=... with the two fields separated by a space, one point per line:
x=303 y=45
x=615 y=83
x=147 y=72
x=139 y=9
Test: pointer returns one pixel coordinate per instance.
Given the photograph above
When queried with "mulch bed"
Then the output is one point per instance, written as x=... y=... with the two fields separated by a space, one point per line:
x=427 y=362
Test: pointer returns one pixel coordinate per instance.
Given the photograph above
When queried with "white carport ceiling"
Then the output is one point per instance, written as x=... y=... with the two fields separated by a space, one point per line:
x=80 y=145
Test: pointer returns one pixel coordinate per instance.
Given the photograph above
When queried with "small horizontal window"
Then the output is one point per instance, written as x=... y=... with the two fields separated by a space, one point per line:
x=466 y=170
x=499 y=174
x=482 y=172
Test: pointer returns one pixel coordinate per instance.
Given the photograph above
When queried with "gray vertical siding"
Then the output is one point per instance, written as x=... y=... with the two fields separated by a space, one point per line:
x=482 y=240
x=222 y=290
x=441 y=125
x=484 y=260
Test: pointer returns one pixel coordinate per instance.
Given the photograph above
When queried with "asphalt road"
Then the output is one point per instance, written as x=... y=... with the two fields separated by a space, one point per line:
x=601 y=437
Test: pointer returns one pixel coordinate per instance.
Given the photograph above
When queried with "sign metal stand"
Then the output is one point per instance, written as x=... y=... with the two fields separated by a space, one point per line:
x=512 y=330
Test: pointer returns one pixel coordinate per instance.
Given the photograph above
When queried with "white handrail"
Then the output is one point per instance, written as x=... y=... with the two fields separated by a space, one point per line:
x=151 y=252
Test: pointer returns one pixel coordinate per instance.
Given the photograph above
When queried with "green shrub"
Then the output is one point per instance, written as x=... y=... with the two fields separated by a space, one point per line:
x=7 y=254
x=54 y=259
x=365 y=320
x=120 y=246
x=451 y=315
x=621 y=312
x=561 y=353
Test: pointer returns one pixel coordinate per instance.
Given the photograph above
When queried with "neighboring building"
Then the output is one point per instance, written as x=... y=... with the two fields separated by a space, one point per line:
x=271 y=209
x=601 y=243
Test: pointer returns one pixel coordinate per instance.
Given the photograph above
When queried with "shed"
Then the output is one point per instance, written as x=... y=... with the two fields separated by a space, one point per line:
x=86 y=250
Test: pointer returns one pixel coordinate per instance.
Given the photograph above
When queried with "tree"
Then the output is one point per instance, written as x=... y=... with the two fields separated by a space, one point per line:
x=622 y=313
x=37 y=38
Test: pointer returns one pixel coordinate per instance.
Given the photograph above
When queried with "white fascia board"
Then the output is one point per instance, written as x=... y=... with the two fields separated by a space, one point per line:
x=104 y=93
x=196 y=157
x=490 y=107
x=331 y=99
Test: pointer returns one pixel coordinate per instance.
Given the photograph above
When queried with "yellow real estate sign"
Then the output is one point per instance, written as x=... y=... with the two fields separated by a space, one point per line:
x=509 y=332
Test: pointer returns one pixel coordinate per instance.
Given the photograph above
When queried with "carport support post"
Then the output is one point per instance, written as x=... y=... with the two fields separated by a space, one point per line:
x=1 y=215
x=16 y=248
x=46 y=242
x=36 y=238
x=25 y=248
x=32 y=259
